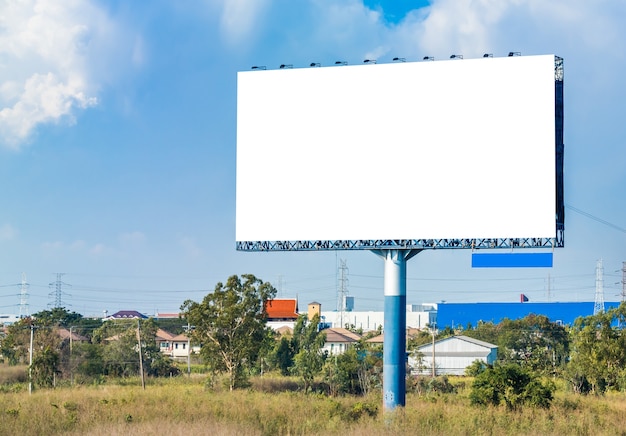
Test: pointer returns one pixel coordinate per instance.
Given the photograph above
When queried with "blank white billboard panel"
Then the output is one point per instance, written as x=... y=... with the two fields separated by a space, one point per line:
x=445 y=149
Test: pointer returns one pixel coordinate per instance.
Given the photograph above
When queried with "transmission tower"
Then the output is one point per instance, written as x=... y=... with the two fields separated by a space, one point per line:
x=279 y=285
x=57 y=294
x=342 y=289
x=623 y=282
x=598 y=306
x=24 y=312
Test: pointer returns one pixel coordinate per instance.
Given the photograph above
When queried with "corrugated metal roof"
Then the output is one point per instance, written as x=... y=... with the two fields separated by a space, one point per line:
x=340 y=335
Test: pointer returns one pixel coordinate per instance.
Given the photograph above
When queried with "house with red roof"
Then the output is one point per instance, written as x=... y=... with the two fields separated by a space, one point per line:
x=282 y=312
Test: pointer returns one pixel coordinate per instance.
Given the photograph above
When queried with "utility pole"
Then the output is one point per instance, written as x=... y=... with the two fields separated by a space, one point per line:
x=434 y=366
x=620 y=323
x=188 y=350
x=143 y=379
x=71 y=369
x=30 y=354
x=342 y=290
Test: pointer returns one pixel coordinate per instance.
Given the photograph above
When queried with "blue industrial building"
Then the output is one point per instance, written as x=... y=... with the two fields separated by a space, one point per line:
x=461 y=314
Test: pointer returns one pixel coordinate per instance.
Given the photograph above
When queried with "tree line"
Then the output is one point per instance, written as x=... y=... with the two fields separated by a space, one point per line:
x=236 y=343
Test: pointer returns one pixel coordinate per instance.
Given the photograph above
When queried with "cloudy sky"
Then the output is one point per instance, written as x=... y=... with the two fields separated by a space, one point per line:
x=118 y=140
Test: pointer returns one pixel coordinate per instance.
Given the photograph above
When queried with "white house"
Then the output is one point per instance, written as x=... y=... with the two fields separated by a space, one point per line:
x=338 y=340
x=174 y=345
x=452 y=355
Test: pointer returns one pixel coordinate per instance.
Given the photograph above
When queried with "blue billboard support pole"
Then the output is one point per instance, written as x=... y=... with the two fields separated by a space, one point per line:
x=394 y=347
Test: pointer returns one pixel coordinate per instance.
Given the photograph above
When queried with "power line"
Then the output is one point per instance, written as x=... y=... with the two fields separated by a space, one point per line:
x=595 y=218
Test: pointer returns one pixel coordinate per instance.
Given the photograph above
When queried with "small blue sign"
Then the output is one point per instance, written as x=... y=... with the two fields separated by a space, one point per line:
x=512 y=260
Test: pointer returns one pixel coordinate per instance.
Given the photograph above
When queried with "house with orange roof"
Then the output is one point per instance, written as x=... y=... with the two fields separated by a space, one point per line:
x=282 y=312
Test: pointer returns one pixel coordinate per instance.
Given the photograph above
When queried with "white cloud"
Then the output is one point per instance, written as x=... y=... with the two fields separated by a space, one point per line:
x=132 y=238
x=46 y=50
x=239 y=18
x=472 y=27
x=7 y=232
x=97 y=249
x=190 y=247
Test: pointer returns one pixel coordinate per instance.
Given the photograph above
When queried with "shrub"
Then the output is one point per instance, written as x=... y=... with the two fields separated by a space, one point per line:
x=435 y=385
x=512 y=386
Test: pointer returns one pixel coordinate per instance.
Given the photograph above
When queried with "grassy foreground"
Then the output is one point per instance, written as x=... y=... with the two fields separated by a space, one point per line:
x=183 y=406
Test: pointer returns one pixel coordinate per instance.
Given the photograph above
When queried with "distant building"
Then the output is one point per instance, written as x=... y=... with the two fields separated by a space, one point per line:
x=417 y=316
x=167 y=315
x=7 y=319
x=338 y=340
x=282 y=312
x=70 y=336
x=453 y=355
x=175 y=346
x=126 y=314
x=457 y=315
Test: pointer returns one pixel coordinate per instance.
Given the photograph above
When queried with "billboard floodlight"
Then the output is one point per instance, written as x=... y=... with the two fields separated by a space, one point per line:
x=258 y=67
x=315 y=64
x=514 y=53
x=283 y=66
x=488 y=55
x=341 y=63
x=428 y=58
x=399 y=59
x=369 y=61
x=455 y=56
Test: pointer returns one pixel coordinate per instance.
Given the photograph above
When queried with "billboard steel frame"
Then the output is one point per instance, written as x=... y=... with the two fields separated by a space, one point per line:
x=396 y=252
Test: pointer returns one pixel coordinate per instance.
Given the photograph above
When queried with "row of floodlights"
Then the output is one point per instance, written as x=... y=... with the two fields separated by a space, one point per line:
x=396 y=59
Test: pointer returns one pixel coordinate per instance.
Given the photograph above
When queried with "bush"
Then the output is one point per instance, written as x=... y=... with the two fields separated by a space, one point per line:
x=435 y=385
x=477 y=367
x=512 y=386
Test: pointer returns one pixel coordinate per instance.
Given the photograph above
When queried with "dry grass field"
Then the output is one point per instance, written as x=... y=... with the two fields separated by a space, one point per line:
x=184 y=406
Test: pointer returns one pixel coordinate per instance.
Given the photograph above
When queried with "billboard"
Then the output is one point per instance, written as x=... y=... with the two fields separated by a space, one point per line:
x=457 y=150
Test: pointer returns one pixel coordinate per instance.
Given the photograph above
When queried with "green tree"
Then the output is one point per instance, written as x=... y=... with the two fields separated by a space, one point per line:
x=533 y=342
x=88 y=359
x=58 y=316
x=281 y=356
x=230 y=323
x=16 y=344
x=308 y=342
x=512 y=386
x=356 y=371
x=44 y=367
x=598 y=352
x=476 y=367
x=484 y=331
x=119 y=350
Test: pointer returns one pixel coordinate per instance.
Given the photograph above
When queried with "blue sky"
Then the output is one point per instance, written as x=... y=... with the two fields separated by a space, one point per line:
x=117 y=143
